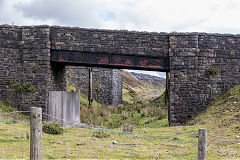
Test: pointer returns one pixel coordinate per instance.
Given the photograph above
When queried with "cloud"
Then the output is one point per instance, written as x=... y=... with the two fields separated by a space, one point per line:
x=175 y=15
x=62 y=12
x=143 y=15
x=152 y=73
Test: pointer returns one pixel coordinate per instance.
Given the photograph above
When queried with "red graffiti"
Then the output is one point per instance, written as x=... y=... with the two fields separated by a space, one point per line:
x=117 y=60
x=128 y=62
x=144 y=62
x=61 y=59
x=158 y=60
x=104 y=60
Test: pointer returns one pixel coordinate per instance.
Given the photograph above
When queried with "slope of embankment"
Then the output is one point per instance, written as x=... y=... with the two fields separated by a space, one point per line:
x=223 y=115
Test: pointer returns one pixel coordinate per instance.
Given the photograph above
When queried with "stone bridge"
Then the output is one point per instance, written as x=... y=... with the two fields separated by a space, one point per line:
x=201 y=66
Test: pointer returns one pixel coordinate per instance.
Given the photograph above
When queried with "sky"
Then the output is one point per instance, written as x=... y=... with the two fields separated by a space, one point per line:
x=212 y=16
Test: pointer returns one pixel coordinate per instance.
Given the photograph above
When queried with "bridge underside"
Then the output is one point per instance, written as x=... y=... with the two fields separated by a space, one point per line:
x=108 y=60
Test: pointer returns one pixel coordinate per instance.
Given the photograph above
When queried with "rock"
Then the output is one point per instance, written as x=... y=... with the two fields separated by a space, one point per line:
x=95 y=139
x=114 y=142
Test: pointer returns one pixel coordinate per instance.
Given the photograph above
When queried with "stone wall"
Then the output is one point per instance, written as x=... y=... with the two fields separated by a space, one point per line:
x=192 y=87
x=110 y=41
x=107 y=83
x=25 y=56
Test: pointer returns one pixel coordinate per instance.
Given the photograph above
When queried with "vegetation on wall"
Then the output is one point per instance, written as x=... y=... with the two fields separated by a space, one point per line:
x=21 y=87
x=180 y=77
x=36 y=68
x=212 y=70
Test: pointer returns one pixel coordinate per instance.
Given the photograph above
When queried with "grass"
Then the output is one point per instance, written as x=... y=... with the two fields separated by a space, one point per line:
x=6 y=107
x=138 y=115
x=223 y=115
x=221 y=118
x=126 y=97
x=83 y=97
x=80 y=143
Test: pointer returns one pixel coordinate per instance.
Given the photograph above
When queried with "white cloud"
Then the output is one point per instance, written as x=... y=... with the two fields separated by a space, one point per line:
x=147 y=15
x=152 y=73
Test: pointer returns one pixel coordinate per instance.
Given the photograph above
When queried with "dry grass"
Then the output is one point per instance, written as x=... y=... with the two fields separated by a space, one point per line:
x=81 y=143
x=221 y=118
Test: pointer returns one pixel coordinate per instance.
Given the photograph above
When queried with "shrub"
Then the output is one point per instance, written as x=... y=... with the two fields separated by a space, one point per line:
x=52 y=128
x=131 y=92
x=21 y=87
x=35 y=68
x=213 y=70
x=180 y=77
x=100 y=134
x=32 y=89
x=124 y=115
x=154 y=112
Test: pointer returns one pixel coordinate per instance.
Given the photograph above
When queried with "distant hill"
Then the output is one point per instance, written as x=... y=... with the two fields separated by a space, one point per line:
x=156 y=81
x=141 y=87
x=130 y=80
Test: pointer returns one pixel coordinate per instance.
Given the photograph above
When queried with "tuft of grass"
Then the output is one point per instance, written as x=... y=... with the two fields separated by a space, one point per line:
x=126 y=97
x=84 y=101
x=100 y=134
x=126 y=127
x=6 y=107
x=52 y=128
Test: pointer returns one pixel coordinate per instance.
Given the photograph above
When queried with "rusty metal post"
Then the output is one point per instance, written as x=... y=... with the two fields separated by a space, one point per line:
x=167 y=95
x=167 y=92
x=90 y=92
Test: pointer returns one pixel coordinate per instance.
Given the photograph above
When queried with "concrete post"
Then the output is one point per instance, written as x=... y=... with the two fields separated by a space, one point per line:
x=202 y=144
x=36 y=133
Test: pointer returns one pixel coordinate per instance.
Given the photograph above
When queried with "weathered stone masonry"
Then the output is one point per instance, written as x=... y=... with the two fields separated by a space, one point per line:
x=190 y=55
x=22 y=48
x=107 y=83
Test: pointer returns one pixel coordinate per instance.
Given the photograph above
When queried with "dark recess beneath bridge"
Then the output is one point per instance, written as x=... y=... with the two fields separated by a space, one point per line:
x=108 y=60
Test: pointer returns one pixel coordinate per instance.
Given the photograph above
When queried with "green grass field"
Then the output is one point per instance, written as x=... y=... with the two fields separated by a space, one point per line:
x=221 y=118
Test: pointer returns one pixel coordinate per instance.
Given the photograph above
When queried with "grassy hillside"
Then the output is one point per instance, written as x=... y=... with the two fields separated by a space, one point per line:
x=137 y=90
x=223 y=115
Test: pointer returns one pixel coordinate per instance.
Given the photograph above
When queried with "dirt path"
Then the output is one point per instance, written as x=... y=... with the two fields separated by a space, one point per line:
x=153 y=95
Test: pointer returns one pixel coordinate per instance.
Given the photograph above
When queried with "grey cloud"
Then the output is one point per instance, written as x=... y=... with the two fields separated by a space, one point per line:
x=224 y=30
x=1 y=3
x=183 y=27
x=63 y=12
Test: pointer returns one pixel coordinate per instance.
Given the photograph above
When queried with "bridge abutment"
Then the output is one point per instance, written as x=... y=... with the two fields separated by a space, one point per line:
x=201 y=65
